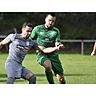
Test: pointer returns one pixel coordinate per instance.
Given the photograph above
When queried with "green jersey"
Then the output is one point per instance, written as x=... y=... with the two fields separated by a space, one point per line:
x=46 y=36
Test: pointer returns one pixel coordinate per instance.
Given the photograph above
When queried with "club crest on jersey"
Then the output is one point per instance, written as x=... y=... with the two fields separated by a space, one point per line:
x=47 y=39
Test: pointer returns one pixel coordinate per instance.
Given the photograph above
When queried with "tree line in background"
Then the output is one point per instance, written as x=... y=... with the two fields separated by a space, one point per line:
x=73 y=25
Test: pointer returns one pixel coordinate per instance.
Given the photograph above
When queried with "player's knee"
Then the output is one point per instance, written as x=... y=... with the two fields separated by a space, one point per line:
x=28 y=75
x=31 y=78
x=47 y=64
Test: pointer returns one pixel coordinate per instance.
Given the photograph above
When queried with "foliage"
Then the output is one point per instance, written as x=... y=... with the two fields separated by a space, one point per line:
x=73 y=25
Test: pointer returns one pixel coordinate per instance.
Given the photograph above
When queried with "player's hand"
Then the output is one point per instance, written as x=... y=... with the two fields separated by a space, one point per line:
x=61 y=47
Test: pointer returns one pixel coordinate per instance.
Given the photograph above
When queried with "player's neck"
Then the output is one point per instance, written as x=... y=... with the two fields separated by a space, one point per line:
x=45 y=26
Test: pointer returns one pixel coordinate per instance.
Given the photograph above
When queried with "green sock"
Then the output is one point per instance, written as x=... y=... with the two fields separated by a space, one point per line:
x=49 y=76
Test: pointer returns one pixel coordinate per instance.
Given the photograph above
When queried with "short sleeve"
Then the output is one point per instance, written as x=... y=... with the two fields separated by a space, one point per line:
x=34 y=33
x=10 y=37
x=58 y=36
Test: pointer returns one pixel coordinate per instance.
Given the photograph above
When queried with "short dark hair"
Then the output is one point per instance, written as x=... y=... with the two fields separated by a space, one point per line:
x=27 y=24
x=52 y=14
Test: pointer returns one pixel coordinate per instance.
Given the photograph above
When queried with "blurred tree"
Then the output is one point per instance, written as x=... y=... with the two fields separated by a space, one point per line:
x=73 y=25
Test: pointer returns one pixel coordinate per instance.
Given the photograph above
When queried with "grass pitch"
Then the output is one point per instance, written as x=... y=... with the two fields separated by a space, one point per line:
x=79 y=69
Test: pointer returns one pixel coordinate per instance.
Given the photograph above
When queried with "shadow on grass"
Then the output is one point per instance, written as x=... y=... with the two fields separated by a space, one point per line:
x=78 y=74
x=42 y=75
x=15 y=81
x=3 y=75
x=3 y=78
x=3 y=81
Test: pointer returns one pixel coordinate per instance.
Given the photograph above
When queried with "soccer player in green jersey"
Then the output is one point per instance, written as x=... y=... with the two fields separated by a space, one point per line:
x=48 y=39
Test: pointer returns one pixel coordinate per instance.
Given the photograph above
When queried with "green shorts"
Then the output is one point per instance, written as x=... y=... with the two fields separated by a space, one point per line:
x=54 y=58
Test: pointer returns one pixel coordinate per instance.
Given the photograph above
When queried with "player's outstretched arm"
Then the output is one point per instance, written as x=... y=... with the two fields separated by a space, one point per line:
x=47 y=50
x=50 y=49
x=3 y=42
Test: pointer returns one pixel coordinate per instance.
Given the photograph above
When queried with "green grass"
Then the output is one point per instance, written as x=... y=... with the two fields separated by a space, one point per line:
x=79 y=69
